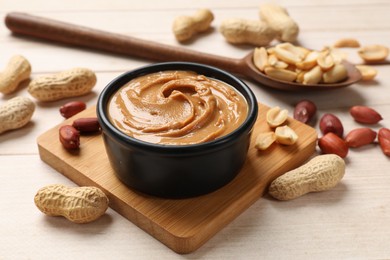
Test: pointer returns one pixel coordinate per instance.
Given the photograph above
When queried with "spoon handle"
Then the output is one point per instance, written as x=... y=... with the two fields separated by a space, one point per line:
x=70 y=34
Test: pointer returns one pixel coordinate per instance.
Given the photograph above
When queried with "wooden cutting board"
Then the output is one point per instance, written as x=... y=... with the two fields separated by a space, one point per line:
x=186 y=224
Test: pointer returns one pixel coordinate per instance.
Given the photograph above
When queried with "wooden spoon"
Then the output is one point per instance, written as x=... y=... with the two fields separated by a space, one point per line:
x=66 y=33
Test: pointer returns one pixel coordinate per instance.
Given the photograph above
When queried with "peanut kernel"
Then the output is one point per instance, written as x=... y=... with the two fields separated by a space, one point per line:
x=265 y=140
x=276 y=116
x=285 y=135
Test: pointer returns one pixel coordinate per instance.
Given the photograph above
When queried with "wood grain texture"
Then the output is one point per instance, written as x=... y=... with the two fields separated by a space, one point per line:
x=350 y=221
x=89 y=38
x=182 y=225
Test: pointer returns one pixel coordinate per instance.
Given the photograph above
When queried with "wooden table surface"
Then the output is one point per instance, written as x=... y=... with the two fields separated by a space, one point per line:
x=351 y=221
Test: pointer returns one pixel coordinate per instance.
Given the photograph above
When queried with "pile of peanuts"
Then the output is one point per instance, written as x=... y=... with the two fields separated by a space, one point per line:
x=280 y=132
x=291 y=63
x=78 y=204
x=287 y=62
x=284 y=61
x=18 y=111
x=333 y=140
x=324 y=171
x=274 y=23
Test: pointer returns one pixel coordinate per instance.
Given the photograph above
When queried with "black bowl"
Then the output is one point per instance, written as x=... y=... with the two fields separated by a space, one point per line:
x=176 y=171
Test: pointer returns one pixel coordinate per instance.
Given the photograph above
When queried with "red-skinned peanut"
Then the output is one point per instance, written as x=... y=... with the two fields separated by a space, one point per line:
x=360 y=136
x=384 y=140
x=365 y=115
x=304 y=111
x=331 y=123
x=69 y=137
x=333 y=144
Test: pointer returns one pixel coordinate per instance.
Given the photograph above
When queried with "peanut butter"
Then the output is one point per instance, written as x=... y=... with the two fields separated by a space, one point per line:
x=177 y=108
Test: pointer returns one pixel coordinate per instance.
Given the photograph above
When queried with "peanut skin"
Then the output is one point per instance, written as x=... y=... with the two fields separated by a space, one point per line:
x=331 y=123
x=305 y=111
x=365 y=115
x=331 y=143
x=16 y=113
x=323 y=172
x=87 y=124
x=70 y=83
x=360 y=136
x=18 y=69
x=72 y=108
x=78 y=204
x=69 y=137
x=384 y=140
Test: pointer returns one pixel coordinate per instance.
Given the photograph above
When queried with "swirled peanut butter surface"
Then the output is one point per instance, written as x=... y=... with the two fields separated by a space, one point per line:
x=177 y=108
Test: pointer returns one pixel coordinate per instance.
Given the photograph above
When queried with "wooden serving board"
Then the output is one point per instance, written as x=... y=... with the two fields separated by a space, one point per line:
x=181 y=224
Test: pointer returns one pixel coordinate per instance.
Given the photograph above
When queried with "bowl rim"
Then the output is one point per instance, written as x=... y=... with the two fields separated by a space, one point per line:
x=219 y=143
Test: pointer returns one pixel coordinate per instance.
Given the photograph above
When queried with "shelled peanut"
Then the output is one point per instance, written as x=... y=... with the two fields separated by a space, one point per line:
x=370 y=54
x=324 y=171
x=279 y=132
x=360 y=136
x=265 y=140
x=346 y=43
x=365 y=115
x=71 y=108
x=305 y=111
x=288 y=62
x=331 y=123
x=373 y=53
x=368 y=72
x=285 y=135
x=384 y=140
x=87 y=125
x=332 y=128
x=70 y=134
x=276 y=116
x=331 y=143
x=69 y=137
x=77 y=204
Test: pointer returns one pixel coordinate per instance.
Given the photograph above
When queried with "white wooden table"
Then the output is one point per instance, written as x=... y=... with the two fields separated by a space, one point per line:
x=350 y=221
